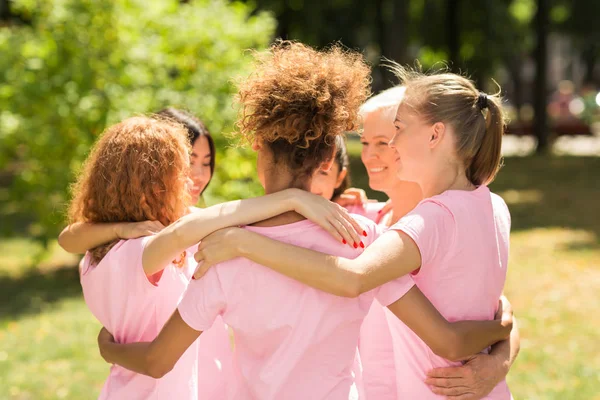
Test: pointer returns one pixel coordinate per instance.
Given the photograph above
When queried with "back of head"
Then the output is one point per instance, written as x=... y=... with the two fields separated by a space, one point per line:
x=477 y=118
x=299 y=100
x=195 y=129
x=136 y=171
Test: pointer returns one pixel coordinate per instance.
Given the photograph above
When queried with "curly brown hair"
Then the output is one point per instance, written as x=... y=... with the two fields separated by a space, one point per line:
x=136 y=171
x=298 y=100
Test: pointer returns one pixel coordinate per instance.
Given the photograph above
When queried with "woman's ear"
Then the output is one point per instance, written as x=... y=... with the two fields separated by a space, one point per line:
x=326 y=165
x=438 y=130
x=256 y=144
x=341 y=177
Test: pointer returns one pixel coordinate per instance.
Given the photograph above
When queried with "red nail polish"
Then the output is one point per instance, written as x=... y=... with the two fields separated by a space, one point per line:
x=379 y=212
x=355 y=245
x=344 y=241
x=365 y=233
x=362 y=245
x=193 y=277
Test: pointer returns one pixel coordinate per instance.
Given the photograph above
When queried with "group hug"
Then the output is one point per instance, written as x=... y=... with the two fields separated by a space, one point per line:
x=311 y=291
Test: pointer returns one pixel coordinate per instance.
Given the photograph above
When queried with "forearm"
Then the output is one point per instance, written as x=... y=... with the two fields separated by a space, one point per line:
x=192 y=228
x=507 y=350
x=132 y=356
x=471 y=337
x=318 y=270
x=81 y=237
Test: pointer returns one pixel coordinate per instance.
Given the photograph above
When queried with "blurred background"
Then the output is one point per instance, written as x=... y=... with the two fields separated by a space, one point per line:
x=69 y=68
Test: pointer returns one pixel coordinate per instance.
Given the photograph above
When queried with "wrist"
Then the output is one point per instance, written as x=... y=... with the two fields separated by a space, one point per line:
x=291 y=199
x=104 y=352
x=501 y=364
x=242 y=245
x=116 y=228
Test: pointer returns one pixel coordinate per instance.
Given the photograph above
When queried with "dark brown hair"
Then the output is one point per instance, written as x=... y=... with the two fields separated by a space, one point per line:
x=298 y=100
x=195 y=129
x=343 y=161
x=477 y=118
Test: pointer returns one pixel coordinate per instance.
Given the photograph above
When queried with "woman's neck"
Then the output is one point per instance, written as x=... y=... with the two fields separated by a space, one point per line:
x=276 y=183
x=449 y=176
x=404 y=197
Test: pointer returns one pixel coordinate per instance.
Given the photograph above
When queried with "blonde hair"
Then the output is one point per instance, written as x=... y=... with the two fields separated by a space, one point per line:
x=385 y=103
x=477 y=118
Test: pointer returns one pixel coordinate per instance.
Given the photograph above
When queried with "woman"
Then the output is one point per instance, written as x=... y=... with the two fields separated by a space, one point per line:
x=455 y=243
x=202 y=157
x=214 y=356
x=138 y=171
x=291 y=341
x=481 y=374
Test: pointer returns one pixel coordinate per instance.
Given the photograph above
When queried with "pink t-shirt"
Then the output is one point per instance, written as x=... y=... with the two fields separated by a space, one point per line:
x=133 y=309
x=292 y=341
x=375 y=342
x=369 y=210
x=463 y=238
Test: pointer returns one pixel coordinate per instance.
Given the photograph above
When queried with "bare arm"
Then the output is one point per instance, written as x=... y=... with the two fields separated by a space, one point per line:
x=481 y=373
x=154 y=358
x=453 y=341
x=189 y=230
x=392 y=255
x=507 y=351
x=80 y=237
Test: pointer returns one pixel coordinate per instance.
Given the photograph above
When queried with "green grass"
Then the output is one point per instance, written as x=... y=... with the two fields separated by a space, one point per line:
x=48 y=338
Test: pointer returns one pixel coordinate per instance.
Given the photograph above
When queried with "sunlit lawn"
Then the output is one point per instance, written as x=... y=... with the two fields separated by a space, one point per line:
x=47 y=336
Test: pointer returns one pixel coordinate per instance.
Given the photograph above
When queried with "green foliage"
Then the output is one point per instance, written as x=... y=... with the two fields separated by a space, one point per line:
x=85 y=64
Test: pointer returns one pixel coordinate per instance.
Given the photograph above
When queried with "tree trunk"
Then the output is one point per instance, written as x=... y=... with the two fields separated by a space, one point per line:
x=283 y=22
x=589 y=58
x=514 y=69
x=4 y=10
x=453 y=33
x=393 y=40
x=541 y=127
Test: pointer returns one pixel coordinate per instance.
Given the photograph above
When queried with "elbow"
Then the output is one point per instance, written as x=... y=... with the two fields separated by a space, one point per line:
x=157 y=372
x=155 y=368
x=352 y=287
x=63 y=241
x=451 y=348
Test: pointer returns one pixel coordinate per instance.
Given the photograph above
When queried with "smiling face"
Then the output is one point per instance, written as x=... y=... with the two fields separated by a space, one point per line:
x=199 y=167
x=377 y=156
x=411 y=144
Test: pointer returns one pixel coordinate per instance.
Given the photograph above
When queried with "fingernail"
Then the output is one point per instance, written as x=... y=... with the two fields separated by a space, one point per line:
x=355 y=245
x=362 y=245
x=344 y=241
x=379 y=212
x=365 y=233
x=193 y=277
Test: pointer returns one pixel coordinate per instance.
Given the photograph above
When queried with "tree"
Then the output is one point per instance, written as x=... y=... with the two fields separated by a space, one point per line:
x=84 y=64
x=541 y=76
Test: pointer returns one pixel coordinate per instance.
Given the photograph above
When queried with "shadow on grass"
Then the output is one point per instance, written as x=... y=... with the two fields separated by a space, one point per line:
x=541 y=192
x=35 y=290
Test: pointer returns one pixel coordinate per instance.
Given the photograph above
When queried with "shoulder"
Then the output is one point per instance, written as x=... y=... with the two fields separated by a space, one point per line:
x=369 y=226
x=500 y=208
x=369 y=210
x=435 y=208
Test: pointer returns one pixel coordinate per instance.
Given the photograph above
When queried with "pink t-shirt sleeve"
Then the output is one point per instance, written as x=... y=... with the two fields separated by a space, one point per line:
x=432 y=227
x=390 y=292
x=203 y=301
